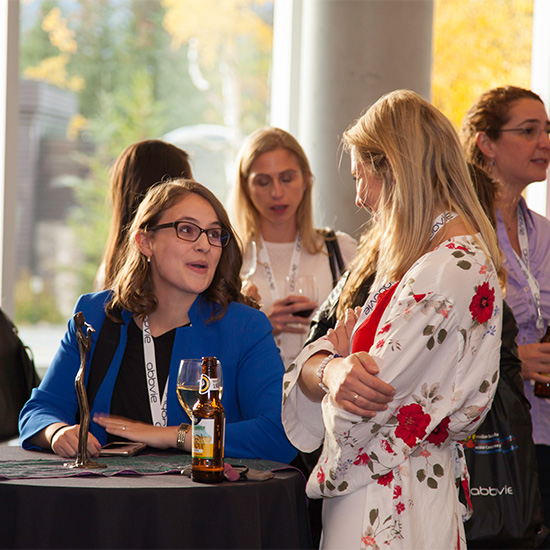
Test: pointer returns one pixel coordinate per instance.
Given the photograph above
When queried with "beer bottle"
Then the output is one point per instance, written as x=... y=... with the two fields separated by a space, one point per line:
x=542 y=389
x=208 y=426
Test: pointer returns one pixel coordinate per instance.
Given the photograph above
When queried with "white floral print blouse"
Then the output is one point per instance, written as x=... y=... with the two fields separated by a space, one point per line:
x=438 y=345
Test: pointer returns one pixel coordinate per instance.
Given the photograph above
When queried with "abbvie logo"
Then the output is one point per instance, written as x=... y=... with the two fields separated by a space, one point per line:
x=491 y=491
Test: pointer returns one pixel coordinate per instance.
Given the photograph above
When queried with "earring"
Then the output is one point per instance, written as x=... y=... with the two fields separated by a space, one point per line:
x=148 y=259
x=492 y=162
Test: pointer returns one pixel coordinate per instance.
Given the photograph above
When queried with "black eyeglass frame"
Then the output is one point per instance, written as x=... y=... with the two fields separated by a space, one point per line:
x=224 y=238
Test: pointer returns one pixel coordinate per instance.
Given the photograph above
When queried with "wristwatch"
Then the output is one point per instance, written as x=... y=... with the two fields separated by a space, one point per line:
x=182 y=433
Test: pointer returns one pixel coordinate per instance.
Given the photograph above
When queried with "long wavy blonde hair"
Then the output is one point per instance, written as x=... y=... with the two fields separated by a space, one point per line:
x=415 y=151
x=246 y=216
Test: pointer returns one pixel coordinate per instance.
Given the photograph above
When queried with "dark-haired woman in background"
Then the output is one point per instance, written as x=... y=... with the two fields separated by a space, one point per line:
x=140 y=166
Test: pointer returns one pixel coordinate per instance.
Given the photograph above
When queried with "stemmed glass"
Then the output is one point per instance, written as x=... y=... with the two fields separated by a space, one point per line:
x=304 y=285
x=189 y=381
x=249 y=261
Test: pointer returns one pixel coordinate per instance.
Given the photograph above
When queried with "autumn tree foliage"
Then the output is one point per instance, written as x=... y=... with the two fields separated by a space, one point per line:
x=479 y=44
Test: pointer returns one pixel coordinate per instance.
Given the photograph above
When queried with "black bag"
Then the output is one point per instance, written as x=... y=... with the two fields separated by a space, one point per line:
x=17 y=377
x=504 y=486
x=335 y=260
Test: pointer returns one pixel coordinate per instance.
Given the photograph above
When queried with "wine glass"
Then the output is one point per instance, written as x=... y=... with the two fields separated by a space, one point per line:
x=189 y=381
x=249 y=261
x=304 y=285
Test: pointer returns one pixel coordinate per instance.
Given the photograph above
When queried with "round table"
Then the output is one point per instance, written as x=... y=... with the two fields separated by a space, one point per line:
x=153 y=511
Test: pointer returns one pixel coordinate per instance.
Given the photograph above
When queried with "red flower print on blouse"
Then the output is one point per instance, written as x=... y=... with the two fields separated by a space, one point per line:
x=400 y=507
x=362 y=458
x=481 y=306
x=385 y=444
x=386 y=479
x=385 y=328
x=368 y=541
x=419 y=297
x=413 y=422
x=455 y=247
x=397 y=492
x=440 y=433
x=321 y=476
x=380 y=343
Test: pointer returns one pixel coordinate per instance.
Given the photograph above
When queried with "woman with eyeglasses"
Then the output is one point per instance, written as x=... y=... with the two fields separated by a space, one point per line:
x=506 y=133
x=179 y=281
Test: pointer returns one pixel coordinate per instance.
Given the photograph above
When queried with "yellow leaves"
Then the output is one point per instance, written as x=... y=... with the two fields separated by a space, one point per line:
x=479 y=45
x=54 y=71
x=216 y=25
x=76 y=125
x=60 y=35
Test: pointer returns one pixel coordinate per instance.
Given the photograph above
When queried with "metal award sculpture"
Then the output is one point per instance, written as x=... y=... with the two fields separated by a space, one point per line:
x=84 y=345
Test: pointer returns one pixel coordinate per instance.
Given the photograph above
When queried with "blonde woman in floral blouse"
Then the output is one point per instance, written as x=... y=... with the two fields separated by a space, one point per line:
x=430 y=329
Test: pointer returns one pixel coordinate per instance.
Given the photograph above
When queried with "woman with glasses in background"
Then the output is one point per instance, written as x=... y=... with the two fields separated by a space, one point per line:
x=506 y=133
x=179 y=281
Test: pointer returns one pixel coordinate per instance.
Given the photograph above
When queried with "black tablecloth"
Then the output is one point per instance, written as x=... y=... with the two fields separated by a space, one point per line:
x=157 y=511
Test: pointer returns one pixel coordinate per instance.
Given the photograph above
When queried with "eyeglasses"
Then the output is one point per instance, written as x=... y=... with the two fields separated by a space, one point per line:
x=529 y=133
x=190 y=232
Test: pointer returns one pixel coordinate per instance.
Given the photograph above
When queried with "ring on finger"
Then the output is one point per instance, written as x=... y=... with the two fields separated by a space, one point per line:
x=355 y=397
x=123 y=427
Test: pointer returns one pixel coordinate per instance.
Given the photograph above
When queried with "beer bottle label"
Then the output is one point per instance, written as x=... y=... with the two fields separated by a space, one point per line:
x=203 y=438
x=208 y=384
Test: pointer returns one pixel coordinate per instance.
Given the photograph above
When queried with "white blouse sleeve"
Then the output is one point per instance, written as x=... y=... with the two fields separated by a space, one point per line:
x=438 y=345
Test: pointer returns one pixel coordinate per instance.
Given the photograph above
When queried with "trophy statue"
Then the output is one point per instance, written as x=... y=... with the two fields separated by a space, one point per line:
x=84 y=345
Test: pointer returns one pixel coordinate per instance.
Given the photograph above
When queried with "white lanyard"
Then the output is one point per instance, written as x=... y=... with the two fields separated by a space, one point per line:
x=371 y=301
x=158 y=408
x=524 y=265
x=292 y=272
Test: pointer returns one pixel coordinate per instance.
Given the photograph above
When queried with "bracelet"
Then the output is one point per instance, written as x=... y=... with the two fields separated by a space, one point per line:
x=321 y=371
x=182 y=432
x=59 y=428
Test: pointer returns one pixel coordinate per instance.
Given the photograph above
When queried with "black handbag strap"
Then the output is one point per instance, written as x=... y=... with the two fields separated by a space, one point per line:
x=335 y=259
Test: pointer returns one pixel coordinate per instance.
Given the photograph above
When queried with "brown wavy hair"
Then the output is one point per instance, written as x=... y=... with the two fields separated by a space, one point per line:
x=489 y=114
x=137 y=168
x=133 y=286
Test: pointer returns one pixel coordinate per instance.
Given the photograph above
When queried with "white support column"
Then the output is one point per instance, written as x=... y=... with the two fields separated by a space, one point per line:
x=285 y=72
x=350 y=53
x=9 y=111
x=537 y=193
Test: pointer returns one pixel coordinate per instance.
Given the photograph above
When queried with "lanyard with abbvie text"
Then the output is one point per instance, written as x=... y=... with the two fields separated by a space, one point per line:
x=525 y=266
x=292 y=272
x=158 y=407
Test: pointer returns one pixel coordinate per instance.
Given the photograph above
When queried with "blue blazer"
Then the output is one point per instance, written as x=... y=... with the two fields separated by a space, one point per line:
x=252 y=374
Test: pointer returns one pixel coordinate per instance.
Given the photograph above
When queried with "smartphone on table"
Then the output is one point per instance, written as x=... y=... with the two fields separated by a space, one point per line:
x=121 y=448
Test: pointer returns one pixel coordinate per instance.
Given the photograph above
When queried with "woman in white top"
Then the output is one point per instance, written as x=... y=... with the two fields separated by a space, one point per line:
x=273 y=214
x=430 y=329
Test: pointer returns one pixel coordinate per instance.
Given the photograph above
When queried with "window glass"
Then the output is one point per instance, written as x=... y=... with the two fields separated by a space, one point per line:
x=96 y=76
